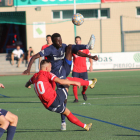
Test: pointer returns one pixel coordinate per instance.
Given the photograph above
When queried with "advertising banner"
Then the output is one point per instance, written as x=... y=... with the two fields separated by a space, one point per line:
x=123 y=60
x=51 y=2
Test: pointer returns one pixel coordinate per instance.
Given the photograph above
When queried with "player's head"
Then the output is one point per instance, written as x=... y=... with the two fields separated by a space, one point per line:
x=48 y=39
x=56 y=39
x=45 y=65
x=78 y=40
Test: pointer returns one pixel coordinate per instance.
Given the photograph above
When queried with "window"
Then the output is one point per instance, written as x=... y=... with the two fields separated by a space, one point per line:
x=56 y=14
x=138 y=11
x=105 y=13
x=87 y=13
x=67 y=14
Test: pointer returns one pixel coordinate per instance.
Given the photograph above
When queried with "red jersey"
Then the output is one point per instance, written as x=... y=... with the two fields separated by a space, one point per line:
x=43 y=47
x=79 y=63
x=43 y=87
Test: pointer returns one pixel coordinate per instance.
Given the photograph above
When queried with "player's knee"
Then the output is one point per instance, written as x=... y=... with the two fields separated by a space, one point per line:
x=69 y=49
x=4 y=124
x=15 y=120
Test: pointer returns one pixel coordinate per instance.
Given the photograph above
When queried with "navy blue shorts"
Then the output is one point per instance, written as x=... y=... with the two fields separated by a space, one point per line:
x=58 y=104
x=3 y=112
x=64 y=71
x=82 y=75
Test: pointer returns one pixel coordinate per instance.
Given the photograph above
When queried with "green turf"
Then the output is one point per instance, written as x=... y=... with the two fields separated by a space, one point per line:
x=113 y=104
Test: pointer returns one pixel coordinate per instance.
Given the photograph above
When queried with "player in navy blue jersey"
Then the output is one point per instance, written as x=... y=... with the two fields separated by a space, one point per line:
x=60 y=56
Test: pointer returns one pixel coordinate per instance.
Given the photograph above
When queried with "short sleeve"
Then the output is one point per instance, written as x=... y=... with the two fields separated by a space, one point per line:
x=52 y=76
x=45 y=52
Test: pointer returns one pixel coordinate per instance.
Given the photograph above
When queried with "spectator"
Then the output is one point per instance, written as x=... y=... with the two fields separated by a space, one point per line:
x=17 y=54
x=30 y=54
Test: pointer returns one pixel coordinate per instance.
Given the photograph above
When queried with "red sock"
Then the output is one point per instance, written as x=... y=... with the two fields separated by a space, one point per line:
x=84 y=89
x=83 y=82
x=75 y=120
x=75 y=92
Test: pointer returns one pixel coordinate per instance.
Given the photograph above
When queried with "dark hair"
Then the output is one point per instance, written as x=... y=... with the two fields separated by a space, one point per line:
x=55 y=35
x=48 y=36
x=77 y=37
x=30 y=47
x=44 y=62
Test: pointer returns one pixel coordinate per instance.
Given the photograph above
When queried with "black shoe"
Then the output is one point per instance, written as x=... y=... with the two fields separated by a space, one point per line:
x=84 y=97
x=75 y=101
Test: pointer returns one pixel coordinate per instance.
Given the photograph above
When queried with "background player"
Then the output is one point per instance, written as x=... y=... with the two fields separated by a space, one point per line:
x=60 y=56
x=80 y=69
x=49 y=42
x=51 y=99
x=7 y=121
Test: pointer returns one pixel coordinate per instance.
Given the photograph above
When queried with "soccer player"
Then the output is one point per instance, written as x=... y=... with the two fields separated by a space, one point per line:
x=60 y=56
x=7 y=121
x=49 y=42
x=54 y=100
x=80 y=69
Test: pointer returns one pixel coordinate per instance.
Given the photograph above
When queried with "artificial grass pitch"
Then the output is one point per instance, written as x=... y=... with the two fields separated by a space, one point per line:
x=113 y=107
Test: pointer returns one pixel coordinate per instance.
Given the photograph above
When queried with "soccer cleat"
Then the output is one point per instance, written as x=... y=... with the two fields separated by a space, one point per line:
x=84 y=97
x=63 y=126
x=75 y=101
x=88 y=126
x=91 y=42
x=94 y=81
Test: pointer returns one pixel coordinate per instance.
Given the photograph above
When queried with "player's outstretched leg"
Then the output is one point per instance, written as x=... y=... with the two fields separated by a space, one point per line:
x=75 y=120
x=90 y=83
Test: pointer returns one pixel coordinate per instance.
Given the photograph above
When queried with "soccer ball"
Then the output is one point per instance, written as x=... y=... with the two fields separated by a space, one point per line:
x=78 y=19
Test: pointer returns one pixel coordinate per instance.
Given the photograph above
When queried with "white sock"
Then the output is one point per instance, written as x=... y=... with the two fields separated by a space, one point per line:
x=90 y=82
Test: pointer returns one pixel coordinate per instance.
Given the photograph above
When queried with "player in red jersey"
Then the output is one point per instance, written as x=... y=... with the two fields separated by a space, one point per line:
x=49 y=42
x=54 y=100
x=80 y=69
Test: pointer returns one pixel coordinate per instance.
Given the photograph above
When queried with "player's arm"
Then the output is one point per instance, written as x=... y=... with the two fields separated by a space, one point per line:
x=1 y=86
x=27 y=85
x=86 y=55
x=67 y=82
x=30 y=63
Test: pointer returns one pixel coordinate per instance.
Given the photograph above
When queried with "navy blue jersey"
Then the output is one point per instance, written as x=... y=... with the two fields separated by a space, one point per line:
x=56 y=57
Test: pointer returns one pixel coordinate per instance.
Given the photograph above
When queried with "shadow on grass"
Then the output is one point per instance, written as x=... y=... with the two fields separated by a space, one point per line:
x=43 y=130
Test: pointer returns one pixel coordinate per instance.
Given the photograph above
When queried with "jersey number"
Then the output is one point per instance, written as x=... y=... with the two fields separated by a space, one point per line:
x=40 y=87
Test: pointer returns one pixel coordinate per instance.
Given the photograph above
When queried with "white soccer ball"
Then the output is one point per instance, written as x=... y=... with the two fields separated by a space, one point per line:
x=78 y=19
